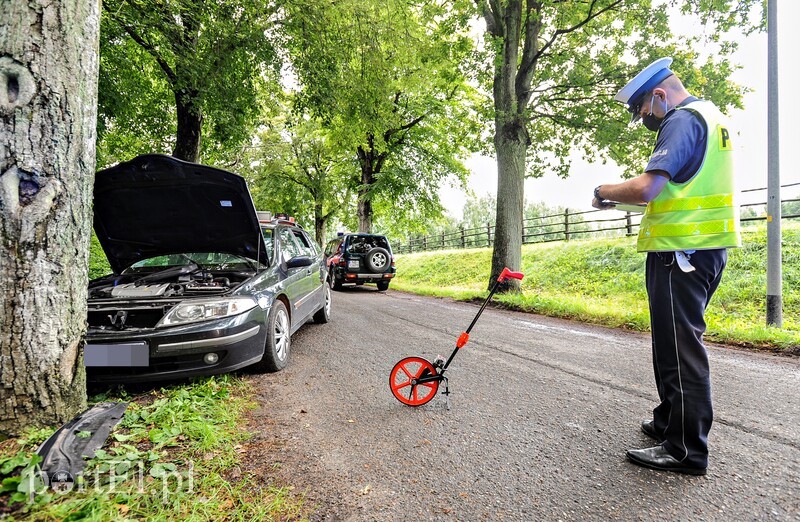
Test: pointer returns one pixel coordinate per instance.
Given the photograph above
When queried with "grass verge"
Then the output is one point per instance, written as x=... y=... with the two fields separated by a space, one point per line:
x=602 y=282
x=174 y=456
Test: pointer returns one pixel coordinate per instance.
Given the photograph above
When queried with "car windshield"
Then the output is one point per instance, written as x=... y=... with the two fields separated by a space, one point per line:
x=205 y=260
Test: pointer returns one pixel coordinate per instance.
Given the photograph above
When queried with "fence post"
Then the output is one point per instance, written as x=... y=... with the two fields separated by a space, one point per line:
x=443 y=240
x=628 y=223
x=566 y=224
x=488 y=234
x=424 y=243
x=463 y=238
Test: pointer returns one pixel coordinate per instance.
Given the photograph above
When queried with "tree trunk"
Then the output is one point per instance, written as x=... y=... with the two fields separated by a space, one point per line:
x=507 y=250
x=319 y=223
x=190 y=123
x=510 y=91
x=48 y=117
x=366 y=159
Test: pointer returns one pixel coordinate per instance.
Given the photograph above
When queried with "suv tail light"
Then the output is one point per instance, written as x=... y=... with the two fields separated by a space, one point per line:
x=342 y=261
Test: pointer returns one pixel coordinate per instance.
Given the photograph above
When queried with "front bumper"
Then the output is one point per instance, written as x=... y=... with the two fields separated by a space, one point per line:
x=179 y=352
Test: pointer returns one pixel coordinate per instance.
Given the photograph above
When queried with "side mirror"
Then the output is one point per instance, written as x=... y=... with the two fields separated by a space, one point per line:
x=299 y=261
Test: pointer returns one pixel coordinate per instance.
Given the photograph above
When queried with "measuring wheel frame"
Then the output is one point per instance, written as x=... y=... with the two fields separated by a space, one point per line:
x=414 y=381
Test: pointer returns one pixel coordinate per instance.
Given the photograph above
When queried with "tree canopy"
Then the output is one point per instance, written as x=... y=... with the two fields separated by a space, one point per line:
x=175 y=72
x=389 y=81
x=554 y=69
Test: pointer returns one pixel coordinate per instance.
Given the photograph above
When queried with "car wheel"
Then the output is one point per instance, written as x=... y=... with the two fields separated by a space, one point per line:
x=279 y=341
x=378 y=259
x=383 y=285
x=323 y=315
x=336 y=284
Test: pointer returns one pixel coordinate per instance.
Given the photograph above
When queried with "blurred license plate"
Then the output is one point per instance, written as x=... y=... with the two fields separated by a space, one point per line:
x=353 y=263
x=116 y=354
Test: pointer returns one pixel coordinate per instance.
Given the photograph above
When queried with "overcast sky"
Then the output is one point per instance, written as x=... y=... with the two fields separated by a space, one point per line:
x=750 y=124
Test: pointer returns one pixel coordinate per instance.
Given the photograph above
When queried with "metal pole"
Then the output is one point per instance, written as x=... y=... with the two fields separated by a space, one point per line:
x=774 y=278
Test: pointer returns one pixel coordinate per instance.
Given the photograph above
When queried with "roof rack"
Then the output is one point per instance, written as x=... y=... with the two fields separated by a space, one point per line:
x=264 y=216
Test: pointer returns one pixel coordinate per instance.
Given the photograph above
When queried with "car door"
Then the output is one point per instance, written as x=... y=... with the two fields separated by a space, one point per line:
x=315 y=275
x=296 y=282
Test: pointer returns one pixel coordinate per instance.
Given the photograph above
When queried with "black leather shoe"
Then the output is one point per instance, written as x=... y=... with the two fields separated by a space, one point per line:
x=648 y=428
x=658 y=458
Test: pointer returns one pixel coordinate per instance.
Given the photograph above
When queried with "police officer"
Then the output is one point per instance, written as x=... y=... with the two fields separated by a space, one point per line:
x=689 y=222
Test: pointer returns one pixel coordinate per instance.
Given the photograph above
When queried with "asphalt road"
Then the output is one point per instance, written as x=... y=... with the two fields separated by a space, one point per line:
x=542 y=413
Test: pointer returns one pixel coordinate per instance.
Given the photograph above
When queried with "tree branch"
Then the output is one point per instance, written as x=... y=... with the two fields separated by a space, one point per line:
x=147 y=46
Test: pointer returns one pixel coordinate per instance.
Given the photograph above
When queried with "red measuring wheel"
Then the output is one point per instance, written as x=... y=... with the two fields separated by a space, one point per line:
x=404 y=381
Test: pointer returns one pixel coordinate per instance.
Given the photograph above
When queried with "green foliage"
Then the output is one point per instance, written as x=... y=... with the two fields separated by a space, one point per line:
x=169 y=458
x=586 y=52
x=98 y=263
x=602 y=281
x=295 y=167
x=213 y=57
x=389 y=81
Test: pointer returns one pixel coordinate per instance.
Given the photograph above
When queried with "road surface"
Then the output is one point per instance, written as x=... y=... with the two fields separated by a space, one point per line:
x=542 y=413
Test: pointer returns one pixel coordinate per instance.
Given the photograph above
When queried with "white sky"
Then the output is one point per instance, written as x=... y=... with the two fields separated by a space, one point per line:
x=750 y=124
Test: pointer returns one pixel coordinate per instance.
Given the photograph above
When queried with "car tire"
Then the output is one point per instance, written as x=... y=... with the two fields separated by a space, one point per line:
x=323 y=315
x=383 y=285
x=378 y=260
x=279 y=340
x=335 y=284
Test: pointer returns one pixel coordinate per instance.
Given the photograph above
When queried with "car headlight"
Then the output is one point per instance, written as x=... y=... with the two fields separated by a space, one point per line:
x=206 y=309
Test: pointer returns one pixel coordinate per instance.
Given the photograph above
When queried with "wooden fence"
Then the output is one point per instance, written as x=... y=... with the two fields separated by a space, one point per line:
x=555 y=227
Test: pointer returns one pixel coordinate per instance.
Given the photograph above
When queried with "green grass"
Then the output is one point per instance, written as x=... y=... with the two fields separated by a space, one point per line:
x=184 y=442
x=602 y=281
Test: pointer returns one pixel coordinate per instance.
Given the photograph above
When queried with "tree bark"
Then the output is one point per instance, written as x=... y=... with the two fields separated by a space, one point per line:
x=319 y=222
x=190 y=123
x=511 y=86
x=48 y=117
x=507 y=251
x=370 y=166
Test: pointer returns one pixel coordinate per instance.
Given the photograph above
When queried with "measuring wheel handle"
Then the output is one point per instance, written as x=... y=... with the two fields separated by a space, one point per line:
x=507 y=274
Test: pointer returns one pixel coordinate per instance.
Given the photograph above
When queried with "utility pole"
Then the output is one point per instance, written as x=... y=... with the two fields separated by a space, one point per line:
x=774 y=277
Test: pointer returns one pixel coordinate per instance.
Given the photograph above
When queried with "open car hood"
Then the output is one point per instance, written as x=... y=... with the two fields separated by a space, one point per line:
x=157 y=205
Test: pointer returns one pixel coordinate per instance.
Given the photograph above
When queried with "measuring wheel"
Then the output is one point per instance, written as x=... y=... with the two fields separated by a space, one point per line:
x=404 y=381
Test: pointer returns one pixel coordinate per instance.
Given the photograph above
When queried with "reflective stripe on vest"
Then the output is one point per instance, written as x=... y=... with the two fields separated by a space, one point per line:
x=700 y=213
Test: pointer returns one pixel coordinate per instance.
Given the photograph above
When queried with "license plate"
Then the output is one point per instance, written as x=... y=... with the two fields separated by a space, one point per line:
x=353 y=263
x=116 y=354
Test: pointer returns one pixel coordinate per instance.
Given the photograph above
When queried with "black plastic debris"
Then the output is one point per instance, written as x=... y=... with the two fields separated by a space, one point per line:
x=77 y=440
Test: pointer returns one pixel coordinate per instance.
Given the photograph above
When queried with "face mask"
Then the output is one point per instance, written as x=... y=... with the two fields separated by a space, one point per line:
x=650 y=121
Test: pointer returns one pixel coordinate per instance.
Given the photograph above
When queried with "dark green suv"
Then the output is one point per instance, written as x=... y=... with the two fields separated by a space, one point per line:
x=359 y=259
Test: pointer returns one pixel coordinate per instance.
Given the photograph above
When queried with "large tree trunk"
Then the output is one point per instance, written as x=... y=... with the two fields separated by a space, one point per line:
x=510 y=91
x=48 y=117
x=510 y=148
x=190 y=123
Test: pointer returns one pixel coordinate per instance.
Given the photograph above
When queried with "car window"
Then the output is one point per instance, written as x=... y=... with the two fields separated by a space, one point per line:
x=289 y=247
x=363 y=244
x=270 y=247
x=307 y=246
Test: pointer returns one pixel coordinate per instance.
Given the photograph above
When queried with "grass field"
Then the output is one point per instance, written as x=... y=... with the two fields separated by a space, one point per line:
x=602 y=281
x=173 y=457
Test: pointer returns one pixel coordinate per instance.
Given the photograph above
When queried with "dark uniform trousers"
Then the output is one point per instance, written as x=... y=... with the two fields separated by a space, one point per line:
x=677 y=305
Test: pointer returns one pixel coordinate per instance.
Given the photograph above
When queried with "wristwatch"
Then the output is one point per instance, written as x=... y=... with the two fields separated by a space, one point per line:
x=597 y=192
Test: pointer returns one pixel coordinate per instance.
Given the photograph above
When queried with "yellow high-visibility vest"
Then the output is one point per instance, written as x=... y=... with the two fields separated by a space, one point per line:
x=701 y=213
